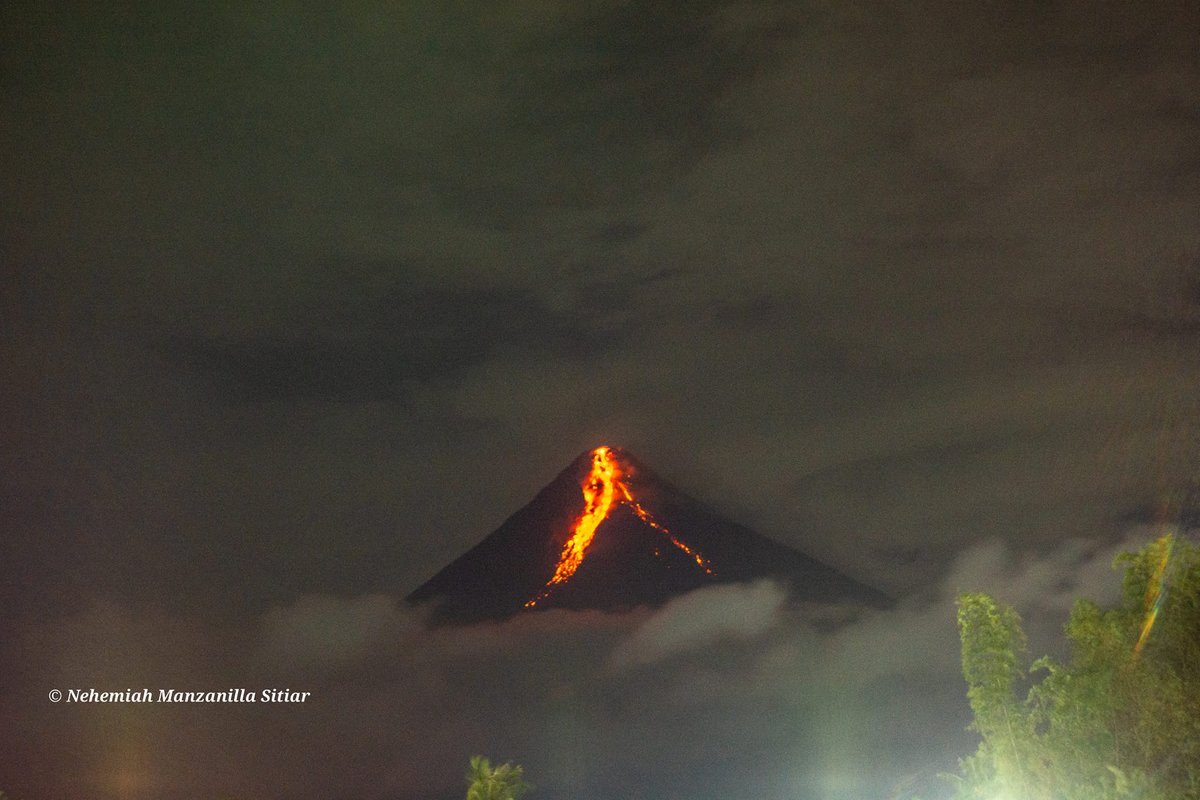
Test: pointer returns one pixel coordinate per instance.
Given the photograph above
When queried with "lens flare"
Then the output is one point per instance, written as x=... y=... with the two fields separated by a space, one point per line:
x=604 y=489
x=1156 y=592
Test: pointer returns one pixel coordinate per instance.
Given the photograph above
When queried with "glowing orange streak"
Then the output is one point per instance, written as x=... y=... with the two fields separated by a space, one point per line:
x=602 y=490
x=644 y=515
x=1156 y=592
x=599 y=492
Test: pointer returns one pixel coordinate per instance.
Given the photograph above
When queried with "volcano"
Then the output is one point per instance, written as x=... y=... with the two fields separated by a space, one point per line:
x=608 y=534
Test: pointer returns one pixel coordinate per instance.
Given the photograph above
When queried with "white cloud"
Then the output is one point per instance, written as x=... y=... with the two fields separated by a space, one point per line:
x=730 y=675
x=700 y=618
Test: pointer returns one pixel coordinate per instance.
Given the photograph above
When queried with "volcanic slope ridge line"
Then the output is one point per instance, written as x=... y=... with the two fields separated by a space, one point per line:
x=608 y=534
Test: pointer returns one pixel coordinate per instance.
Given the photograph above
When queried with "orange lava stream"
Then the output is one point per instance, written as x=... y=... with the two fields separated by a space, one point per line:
x=603 y=490
x=644 y=515
x=599 y=492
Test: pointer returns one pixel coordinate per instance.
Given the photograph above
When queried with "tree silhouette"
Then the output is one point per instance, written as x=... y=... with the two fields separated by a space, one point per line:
x=504 y=782
x=1119 y=719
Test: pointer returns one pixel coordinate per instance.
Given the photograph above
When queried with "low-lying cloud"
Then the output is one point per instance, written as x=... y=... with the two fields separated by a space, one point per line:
x=728 y=686
x=700 y=618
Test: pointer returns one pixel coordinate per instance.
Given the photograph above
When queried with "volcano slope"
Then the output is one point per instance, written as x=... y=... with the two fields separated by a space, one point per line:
x=608 y=534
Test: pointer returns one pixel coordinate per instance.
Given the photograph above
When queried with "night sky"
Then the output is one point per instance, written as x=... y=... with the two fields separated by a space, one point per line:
x=299 y=304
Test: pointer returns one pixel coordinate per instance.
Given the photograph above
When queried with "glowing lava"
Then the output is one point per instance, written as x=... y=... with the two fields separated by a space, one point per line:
x=604 y=489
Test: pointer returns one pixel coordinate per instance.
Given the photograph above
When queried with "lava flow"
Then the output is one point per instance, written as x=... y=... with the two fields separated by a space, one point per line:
x=604 y=489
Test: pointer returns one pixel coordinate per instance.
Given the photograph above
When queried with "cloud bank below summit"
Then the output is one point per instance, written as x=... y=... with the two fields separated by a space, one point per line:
x=576 y=697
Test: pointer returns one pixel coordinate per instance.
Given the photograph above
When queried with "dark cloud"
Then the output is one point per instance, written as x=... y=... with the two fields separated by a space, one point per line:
x=862 y=252
x=302 y=304
x=609 y=104
x=376 y=349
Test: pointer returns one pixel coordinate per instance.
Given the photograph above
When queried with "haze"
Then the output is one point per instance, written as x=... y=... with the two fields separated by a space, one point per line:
x=298 y=305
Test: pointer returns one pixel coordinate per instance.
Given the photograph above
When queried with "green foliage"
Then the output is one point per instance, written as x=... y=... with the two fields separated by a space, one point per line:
x=504 y=782
x=1119 y=719
x=993 y=646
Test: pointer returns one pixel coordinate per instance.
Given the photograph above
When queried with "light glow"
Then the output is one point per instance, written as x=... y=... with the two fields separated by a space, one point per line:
x=604 y=489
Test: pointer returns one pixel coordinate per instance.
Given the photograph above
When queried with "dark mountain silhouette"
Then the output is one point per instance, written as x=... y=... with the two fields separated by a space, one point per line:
x=608 y=534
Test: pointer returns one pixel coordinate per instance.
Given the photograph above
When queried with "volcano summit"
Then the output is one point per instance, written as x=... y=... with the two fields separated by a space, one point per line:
x=607 y=534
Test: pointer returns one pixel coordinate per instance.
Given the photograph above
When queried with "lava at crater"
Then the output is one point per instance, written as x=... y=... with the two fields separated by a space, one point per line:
x=605 y=488
x=608 y=534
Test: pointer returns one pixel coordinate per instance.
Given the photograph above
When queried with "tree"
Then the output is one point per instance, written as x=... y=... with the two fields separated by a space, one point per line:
x=504 y=782
x=1119 y=719
x=993 y=646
